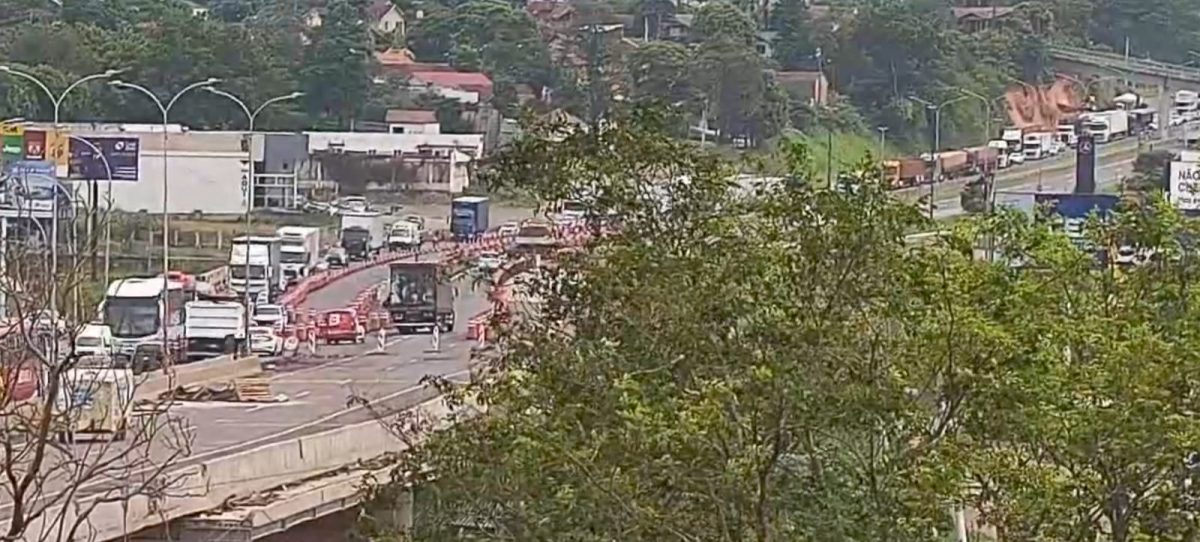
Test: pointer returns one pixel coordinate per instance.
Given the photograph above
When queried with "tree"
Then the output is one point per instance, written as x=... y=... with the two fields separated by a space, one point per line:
x=1150 y=171
x=716 y=21
x=659 y=71
x=336 y=76
x=53 y=485
x=794 y=47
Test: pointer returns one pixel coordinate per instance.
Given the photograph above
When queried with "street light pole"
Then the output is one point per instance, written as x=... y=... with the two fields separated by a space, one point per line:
x=936 y=140
x=165 y=110
x=251 y=116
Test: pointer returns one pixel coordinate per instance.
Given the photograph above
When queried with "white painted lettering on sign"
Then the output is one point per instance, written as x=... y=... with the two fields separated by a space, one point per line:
x=1184 y=188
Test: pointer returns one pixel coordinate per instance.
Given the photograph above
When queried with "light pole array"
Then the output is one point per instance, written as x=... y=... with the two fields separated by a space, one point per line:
x=165 y=110
x=57 y=100
x=936 y=142
x=251 y=116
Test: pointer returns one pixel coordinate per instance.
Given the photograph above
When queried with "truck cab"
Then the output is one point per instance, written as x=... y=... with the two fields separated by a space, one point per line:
x=299 y=251
x=404 y=235
x=255 y=264
x=214 y=328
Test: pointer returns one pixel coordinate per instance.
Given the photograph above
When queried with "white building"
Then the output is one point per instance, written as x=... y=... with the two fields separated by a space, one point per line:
x=412 y=121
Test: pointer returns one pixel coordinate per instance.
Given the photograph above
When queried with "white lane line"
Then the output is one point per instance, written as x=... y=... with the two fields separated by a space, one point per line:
x=302 y=394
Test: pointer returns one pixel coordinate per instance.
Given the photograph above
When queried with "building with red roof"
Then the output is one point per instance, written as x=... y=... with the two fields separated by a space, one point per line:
x=456 y=84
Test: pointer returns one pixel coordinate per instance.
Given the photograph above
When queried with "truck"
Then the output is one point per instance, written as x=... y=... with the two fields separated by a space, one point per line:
x=299 y=251
x=952 y=164
x=1065 y=133
x=1186 y=105
x=214 y=328
x=468 y=217
x=1107 y=126
x=404 y=235
x=1015 y=138
x=144 y=311
x=255 y=264
x=1002 y=155
x=420 y=297
x=905 y=172
x=983 y=159
x=1038 y=145
x=363 y=234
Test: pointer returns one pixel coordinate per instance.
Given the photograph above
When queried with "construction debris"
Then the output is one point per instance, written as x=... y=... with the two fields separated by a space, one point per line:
x=247 y=390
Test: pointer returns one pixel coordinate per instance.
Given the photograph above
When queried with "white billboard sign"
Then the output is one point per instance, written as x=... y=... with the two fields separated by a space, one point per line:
x=1184 y=186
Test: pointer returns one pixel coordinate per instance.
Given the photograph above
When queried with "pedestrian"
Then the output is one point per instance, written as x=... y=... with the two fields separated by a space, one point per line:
x=437 y=338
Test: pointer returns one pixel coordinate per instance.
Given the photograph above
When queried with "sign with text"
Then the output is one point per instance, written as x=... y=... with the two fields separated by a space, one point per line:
x=57 y=151
x=12 y=141
x=118 y=154
x=35 y=145
x=25 y=168
x=1183 y=188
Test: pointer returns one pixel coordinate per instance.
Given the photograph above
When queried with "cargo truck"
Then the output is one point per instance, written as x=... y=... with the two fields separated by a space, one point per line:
x=952 y=164
x=468 y=217
x=1038 y=145
x=420 y=297
x=255 y=263
x=905 y=172
x=1107 y=126
x=404 y=235
x=214 y=328
x=1002 y=155
x=983 y=159
x=363 y=234
x=300 y=251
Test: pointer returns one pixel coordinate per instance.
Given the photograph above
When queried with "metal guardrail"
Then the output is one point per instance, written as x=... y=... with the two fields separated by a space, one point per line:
x=1117 y=62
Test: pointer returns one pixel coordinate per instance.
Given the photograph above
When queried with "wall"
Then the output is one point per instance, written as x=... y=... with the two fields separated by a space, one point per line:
x=414 y=128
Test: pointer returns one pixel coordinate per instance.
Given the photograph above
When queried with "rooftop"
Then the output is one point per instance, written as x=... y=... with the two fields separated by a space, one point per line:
x=993 y=12
x=379 y=8
x=410 y=116
x=454 y=79
x=394 y=57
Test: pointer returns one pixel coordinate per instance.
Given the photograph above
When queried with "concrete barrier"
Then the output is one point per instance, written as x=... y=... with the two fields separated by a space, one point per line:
x=209 y=371
x=208 y=486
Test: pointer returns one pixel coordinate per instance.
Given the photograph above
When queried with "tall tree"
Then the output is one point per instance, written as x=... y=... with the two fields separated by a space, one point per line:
x=336 y=75
x=722 y=21
x=794 y=48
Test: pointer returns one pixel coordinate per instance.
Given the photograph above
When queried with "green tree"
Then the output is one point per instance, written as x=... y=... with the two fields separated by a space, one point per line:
x=719 y=21
x=660 y=71
x=336 y=73
x=794 y=46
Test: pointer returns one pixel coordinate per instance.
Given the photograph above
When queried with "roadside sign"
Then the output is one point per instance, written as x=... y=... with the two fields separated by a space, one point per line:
x=12 y=141
x=1183 y=189
x=35 y=145
x=24 y=168
x=58 y=152
x=121 y=154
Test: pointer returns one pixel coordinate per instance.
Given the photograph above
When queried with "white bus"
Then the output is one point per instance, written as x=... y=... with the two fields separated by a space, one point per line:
x=136 y=310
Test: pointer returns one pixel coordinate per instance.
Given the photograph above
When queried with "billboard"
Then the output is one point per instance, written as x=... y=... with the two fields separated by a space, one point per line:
x=1085 y=164
x=120 y=153
x=1183 y=187
x=25 y=168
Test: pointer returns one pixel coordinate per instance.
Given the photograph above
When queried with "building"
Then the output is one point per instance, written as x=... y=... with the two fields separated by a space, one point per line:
x=419 y=162
x=386 y=17
x=466 y=87
x=313 y=18
x=975 y=19
x=412 y=121
x=809 y=86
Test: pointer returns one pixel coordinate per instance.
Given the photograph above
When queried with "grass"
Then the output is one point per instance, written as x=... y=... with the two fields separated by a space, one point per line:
x=848 y=150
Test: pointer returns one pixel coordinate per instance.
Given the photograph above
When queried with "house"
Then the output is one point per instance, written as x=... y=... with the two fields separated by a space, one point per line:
x=764 y=42
x=974 y=19
x=401 y=62
x=466 y=87
x=412 y=121
x=313 y=18
x=809 y=86
x=386 y=17
x=677 y=28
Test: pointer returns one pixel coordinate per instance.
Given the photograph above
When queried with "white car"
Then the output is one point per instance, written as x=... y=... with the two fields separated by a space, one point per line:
x=1017 y=158
x=264 y=341
x=94 y=340
x=509 y=229
x=270 y=315
x=489 y=261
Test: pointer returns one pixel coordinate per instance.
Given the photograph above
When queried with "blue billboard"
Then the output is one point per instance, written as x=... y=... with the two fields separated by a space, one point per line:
x=25 y=168
x=1077 y=206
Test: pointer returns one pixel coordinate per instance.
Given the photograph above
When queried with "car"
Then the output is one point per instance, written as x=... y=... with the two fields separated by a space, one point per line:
x=509 y=229
x=94 y=340
x=264 y=341
x=269 y=315
x=336 y=258
x=354 y=204
x=1017 y=158
x=489 y=260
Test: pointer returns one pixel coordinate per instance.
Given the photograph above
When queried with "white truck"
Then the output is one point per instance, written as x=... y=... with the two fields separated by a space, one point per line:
x=1002 y=156
x=1038 y=145
x=363 y=234
x=1066 y=134
x=214 y=328
x=1186 y=106
x=1105 y=126
x=404 y=235
x=1016 y=144
x=299 y=251
x=254 y=264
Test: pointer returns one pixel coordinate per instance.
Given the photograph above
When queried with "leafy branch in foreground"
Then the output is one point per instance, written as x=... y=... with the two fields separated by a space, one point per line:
x=783 y=365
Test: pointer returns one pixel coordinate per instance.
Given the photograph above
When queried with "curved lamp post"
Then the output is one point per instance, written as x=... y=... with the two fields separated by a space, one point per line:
x=251 y=116
x=165 y=109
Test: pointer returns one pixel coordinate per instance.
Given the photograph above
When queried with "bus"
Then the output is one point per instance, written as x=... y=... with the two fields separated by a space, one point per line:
x=138 y=311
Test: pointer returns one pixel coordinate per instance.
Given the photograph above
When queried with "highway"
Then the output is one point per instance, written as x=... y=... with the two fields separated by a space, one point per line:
x=319 y=391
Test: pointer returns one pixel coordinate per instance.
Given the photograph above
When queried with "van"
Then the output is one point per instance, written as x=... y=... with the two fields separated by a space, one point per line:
x=94 y=340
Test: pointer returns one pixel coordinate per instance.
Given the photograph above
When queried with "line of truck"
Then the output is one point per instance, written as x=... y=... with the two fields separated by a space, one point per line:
x=1129 y=116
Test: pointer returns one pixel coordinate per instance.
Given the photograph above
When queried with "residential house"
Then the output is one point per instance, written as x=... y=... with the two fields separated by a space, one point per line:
x=466 y=87
x=386 y=17
x=809 y=86
x=401 y=62
x=974 y=19
x=313 y=18
x=412 y=121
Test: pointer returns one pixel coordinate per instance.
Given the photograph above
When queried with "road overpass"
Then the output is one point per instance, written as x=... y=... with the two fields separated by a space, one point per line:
x=1163 y=77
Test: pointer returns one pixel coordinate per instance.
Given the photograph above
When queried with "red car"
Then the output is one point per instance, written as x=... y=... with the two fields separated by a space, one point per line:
x=340 y=325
